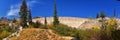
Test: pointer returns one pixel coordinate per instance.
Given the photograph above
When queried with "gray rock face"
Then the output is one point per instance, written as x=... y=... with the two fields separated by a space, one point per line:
x=81 y=23
x=70 y=21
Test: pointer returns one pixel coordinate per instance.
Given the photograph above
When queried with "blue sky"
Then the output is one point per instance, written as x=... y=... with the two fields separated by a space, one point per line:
x=74 y=8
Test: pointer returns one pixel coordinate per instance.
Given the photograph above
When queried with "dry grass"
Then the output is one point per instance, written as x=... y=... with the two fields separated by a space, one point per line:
x=37 y=34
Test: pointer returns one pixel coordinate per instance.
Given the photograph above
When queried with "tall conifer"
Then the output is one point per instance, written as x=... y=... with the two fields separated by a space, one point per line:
x=29 y=17
x=23 y=14
x=56 y=21
x=114 y=12
x=97 y=15
x=103 y=20
x=102 y=14
x=45 y=23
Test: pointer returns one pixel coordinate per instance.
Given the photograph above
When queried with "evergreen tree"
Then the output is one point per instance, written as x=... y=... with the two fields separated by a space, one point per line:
x=56 y=21
x=114 y=12
x=103 y=21
x=29 y=17
x=14 y=20
x=45 y=22
x=97 y=15
x=102 y=14
x=37 y=24
x=23 y=14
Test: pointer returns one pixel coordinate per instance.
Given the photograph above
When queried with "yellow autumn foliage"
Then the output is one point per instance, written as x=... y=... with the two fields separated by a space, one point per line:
x=112 y=25
x=95 y=27
x=111 y=22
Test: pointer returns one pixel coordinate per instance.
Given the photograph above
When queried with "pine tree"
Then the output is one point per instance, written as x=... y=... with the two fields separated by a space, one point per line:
x=102 y=14
x=97 y=15
x=37 y=24
x=29 y=17
x=23 y=14
x=45 y=22
x=14 y=20
x=103 y=21
x=114 y=12
x=56 y=21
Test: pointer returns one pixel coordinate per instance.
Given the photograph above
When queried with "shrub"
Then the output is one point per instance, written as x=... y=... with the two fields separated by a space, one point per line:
x=65 y=30
x=116 y=35
x=97 y=28
x=37 y=24
x=110 y=30
x=4 y=34
x=30 y=26
x=96 y=33
x=5 y=31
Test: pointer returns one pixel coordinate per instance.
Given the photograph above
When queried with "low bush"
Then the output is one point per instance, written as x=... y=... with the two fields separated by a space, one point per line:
x=96 y=33
x=65 y=30
x=116 y=35
x=5 y=31
x=4 y=34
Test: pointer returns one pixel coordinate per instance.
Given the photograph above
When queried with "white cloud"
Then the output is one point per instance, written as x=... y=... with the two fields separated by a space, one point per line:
x=31 y=3
x=14 y=9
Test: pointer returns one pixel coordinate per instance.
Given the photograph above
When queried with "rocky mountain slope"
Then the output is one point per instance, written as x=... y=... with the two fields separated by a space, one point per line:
x=70 y=21
x=81 y=23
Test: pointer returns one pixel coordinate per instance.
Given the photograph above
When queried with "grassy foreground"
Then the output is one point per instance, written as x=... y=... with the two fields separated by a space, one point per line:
x=38 y=34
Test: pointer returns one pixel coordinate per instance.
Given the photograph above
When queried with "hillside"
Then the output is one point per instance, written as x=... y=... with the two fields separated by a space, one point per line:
x=38 y=34
x=81 y=23
x=70 y=21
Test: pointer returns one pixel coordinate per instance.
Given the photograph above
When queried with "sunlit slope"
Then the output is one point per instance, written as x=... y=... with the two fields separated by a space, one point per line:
x=70 y=21
x=38 y=34
x=80 y=23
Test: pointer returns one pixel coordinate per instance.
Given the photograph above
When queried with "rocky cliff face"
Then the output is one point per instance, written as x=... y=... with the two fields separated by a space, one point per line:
x=81 y=23
x=70 y=21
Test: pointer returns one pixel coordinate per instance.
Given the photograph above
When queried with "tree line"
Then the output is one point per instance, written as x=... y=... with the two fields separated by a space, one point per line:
x=26 y=18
